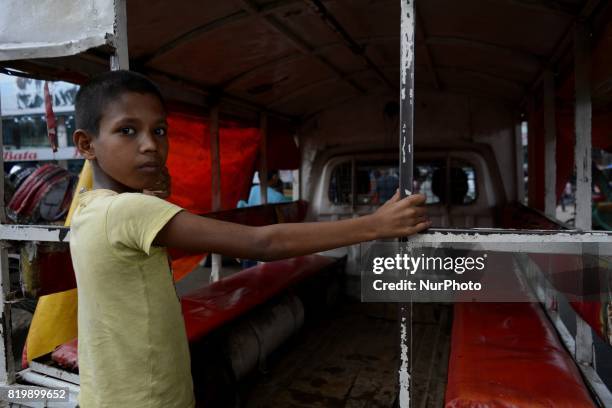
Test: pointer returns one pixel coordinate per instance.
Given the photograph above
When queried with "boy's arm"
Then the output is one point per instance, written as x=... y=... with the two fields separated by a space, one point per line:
x=193 y=233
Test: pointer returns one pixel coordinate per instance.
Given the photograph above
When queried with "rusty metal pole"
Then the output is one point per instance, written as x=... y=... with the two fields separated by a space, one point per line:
x=406 y=179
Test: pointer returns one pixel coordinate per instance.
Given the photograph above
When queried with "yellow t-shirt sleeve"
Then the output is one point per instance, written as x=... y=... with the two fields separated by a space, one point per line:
x=133 y=220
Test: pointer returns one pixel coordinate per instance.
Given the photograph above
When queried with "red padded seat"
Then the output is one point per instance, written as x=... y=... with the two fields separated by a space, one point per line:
x=508 y=355
x=66 y=355
x=212 y=306
x=207 y=308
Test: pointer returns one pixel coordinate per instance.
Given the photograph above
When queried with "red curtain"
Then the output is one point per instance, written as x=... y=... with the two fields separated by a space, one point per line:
x=189 y=162
x=601 y=137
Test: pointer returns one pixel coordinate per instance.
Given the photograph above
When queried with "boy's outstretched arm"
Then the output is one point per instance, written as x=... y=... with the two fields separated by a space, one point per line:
x=189 y=232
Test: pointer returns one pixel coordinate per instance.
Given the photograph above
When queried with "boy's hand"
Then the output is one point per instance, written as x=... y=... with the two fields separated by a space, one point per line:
x=401 y=217
x=162 y=188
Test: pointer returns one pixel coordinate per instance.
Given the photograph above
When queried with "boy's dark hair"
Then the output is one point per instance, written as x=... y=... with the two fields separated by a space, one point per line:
x=92 y=98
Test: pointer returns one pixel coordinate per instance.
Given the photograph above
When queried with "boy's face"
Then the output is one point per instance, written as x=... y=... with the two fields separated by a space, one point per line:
x=132 y=145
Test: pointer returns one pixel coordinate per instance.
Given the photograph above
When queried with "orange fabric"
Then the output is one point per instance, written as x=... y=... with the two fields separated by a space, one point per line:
x=183 y=266
x=508 y=355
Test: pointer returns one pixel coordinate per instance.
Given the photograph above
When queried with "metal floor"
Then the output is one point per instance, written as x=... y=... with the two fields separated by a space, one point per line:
x=349 y=359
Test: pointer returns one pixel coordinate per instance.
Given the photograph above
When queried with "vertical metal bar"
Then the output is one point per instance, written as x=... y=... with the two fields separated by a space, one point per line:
x=354 y=185
x=215 y=169
x=590 y=282
x=582 y=157
x=7 y=364
x=406 y=179
x=550 y=157
x=215 y=173
x=447 y=220
x=120 y=59
x=263 y=158
x=519 y=160
x=7 y=374
x=582 y=152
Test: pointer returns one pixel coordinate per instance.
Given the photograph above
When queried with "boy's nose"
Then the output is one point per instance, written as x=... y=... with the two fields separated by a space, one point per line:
x=148 y=143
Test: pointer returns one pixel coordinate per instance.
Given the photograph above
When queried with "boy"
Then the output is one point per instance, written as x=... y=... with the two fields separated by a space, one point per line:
x=133 y=349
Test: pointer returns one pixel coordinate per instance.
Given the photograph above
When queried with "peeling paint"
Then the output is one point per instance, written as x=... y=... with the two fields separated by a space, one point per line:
x=404 y=373
x=407 y=44
x=34 y=233
x=406 y=176
x=517 y=242
x=404 y=143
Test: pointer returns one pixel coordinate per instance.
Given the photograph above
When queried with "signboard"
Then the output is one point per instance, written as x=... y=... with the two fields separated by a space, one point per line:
x=25 y=96
x=41 y=154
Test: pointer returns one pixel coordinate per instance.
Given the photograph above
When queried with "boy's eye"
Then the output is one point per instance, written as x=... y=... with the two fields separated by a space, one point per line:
x=128 y=131
x=160 y=131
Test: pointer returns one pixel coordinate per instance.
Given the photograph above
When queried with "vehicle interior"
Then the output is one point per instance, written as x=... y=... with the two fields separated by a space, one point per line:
x=321 y=80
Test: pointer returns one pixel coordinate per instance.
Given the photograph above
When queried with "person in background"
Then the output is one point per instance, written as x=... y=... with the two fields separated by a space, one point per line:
x=386 y=186
x=275 y=192
x=566 y=196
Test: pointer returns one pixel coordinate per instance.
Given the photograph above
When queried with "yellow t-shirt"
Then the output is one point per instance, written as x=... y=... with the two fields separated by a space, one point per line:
x=133 y=349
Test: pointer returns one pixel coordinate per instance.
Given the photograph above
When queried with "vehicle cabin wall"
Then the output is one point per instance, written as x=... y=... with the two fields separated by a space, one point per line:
x=440 y=118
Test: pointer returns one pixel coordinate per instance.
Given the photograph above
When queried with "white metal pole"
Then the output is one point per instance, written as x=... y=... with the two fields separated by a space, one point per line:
x=582 y=152
x=582 y=157
x=407 y=53
x=120 y=59
x=550 y=158
x=519 y=160
x=7 y=364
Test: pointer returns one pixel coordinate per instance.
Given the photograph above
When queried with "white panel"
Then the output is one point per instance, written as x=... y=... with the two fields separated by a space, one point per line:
x=53 y=28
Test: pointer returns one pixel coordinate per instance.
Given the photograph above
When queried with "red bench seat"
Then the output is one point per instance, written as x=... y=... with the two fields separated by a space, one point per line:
x=207 y=308
x=508 y=355
x=212 y=306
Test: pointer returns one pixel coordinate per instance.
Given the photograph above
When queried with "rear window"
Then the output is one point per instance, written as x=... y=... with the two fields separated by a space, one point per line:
x=375 y=182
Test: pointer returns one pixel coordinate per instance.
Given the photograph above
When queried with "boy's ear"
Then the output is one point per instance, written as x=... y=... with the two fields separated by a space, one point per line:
x=83 y=142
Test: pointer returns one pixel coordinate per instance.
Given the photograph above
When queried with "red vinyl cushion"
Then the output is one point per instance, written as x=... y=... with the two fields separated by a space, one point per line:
x=66 y=355
x=211 y=306
x=508 y=355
